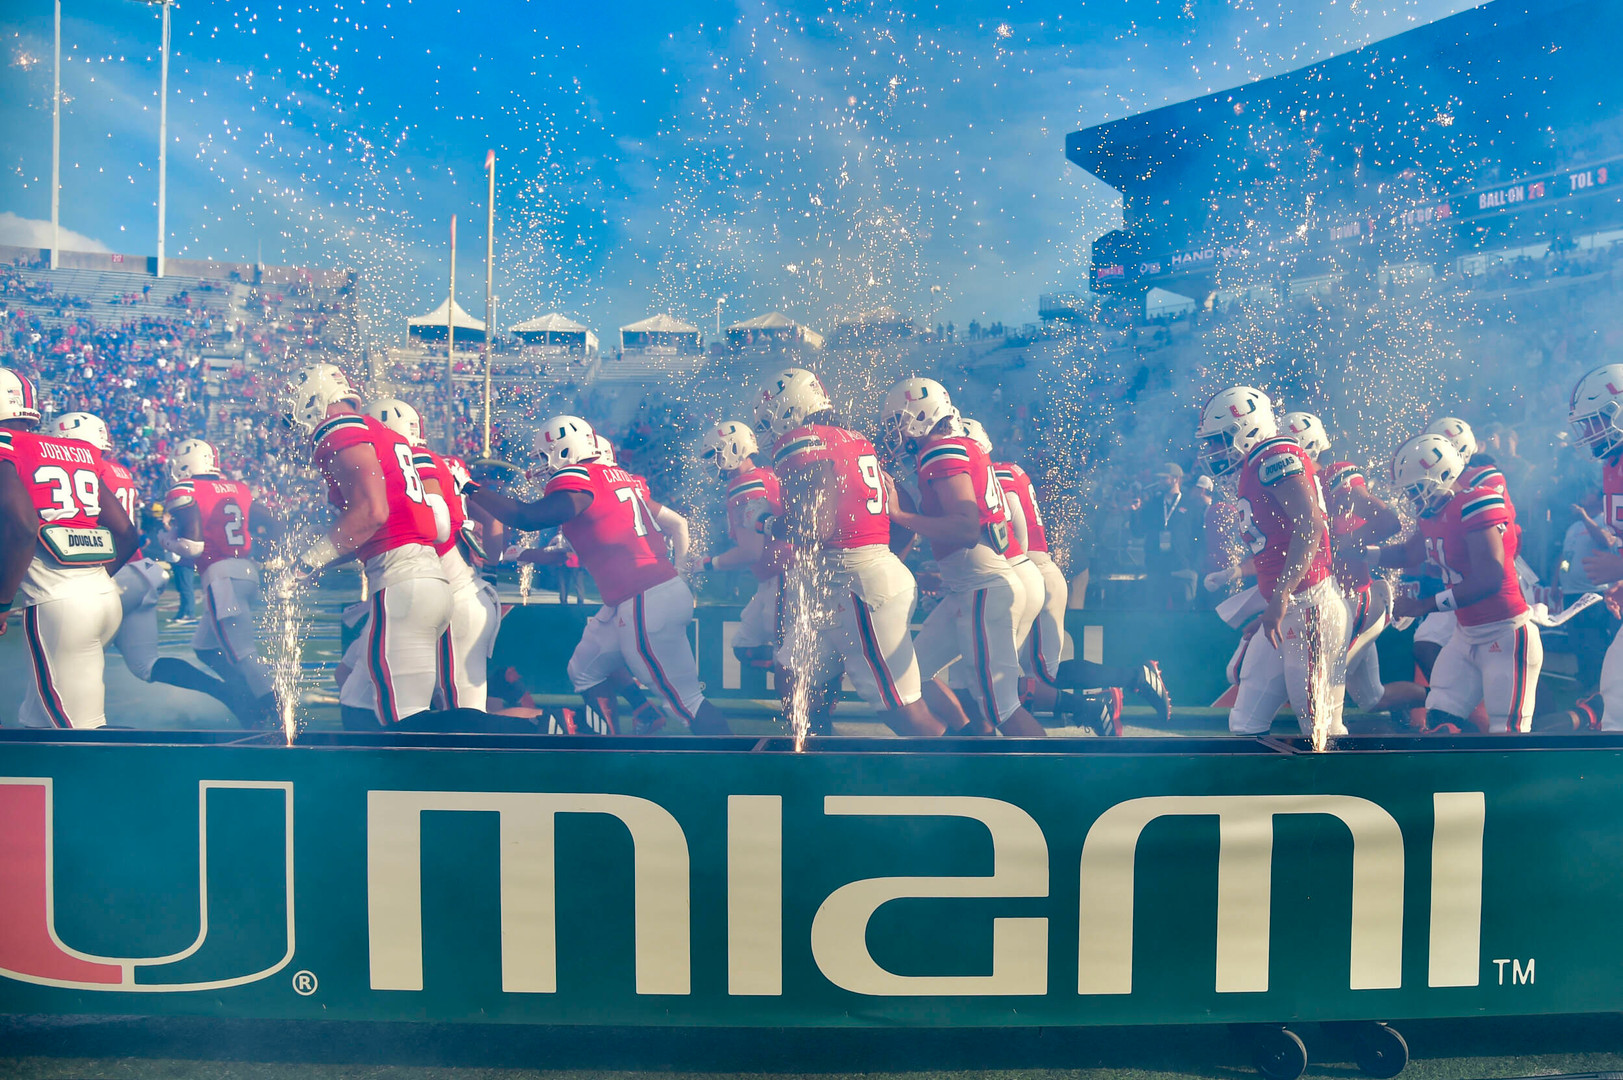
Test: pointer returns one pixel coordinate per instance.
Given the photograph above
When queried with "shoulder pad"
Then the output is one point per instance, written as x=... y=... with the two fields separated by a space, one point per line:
x=1276 y=462
x=5 y=439
x=944 y=453
x=338 y=423
x=750 y=485
x=571 y=472
x=800 y=444
x=1480 y=502
x=1342 y=474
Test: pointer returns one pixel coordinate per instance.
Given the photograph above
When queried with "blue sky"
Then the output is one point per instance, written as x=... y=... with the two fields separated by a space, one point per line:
x=810 y=158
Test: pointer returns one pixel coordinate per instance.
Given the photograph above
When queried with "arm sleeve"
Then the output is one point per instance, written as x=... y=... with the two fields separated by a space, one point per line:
x=442 y=516
x=675 y=526
x=1017 y=516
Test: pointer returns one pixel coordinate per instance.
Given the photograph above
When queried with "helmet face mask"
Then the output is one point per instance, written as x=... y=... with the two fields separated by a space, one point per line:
x=914 y=409
x=1596 y=408
x=727 y=446
x=1426 y=469
x=787 y=399
x=565 y=441
x=1232 y=423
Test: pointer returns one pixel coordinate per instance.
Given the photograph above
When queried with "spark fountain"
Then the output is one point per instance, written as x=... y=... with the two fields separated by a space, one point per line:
x=287 y=620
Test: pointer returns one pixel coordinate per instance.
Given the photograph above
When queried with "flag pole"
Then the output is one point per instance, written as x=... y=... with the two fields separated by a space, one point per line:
x=450 y=346
x=490 y=296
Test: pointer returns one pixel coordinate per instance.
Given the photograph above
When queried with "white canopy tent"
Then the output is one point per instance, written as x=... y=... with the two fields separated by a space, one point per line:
x=555 y=329
x=660 y=332
x=772 y=328
x=431 y=327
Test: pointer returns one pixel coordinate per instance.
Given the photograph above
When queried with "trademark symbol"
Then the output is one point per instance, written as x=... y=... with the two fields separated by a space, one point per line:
x=304 y=983
x=1519 y=975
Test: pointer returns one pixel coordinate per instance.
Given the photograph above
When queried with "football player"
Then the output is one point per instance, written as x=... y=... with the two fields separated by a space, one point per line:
x=619 y=532
x=60 y=541
x=211 y=519
x=1069 y=688
x=138 y=582
x=963 y=514
x=386 y=521
x=753 y=494
x=1596 y=415
x=475 y=610
x=852 y=598
x=1284 y=525
x=1310 y=434
x=1470 y=537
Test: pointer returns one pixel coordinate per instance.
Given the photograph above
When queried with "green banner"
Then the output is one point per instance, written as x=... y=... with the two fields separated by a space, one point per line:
x=730 y=882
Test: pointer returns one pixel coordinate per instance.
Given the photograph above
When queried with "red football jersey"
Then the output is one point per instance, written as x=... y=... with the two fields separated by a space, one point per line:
x=1352 y=573
x=758 y=485
x=1265 y=526
x=1445 y=531
x=410 y=520
x=118 y=483
x=959 y=455
x=430 y=466
x=861 y=518
x=224 y=506
x=1611 y=480
x=1018 y=484
x=616 y=537
x=63 y=476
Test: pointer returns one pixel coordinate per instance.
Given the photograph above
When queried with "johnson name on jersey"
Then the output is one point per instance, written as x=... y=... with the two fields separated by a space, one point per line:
x=63 y=478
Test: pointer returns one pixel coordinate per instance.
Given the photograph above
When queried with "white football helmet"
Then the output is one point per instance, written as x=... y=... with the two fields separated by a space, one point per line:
x=313 y=391
x=787 y=399
x=1456 y=431
x=913 y=409
x=605 y=450
x=976 y=432
x=1308 y=431
x=399 y=418
x=18 y=399
x=84 y=427
x=1597 y=404
x=1426 y=469
x=1232 y=423
x=192 y=458
x=727 y=446
x=564 y=440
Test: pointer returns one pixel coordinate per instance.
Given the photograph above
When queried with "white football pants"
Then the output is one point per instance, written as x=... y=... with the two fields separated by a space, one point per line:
x=67 y=644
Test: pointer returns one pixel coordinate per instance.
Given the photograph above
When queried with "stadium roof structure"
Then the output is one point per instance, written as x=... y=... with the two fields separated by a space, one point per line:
x=1418 y=130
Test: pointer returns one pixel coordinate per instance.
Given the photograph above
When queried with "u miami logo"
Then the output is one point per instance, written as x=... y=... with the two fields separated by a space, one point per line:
x=243 y=897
